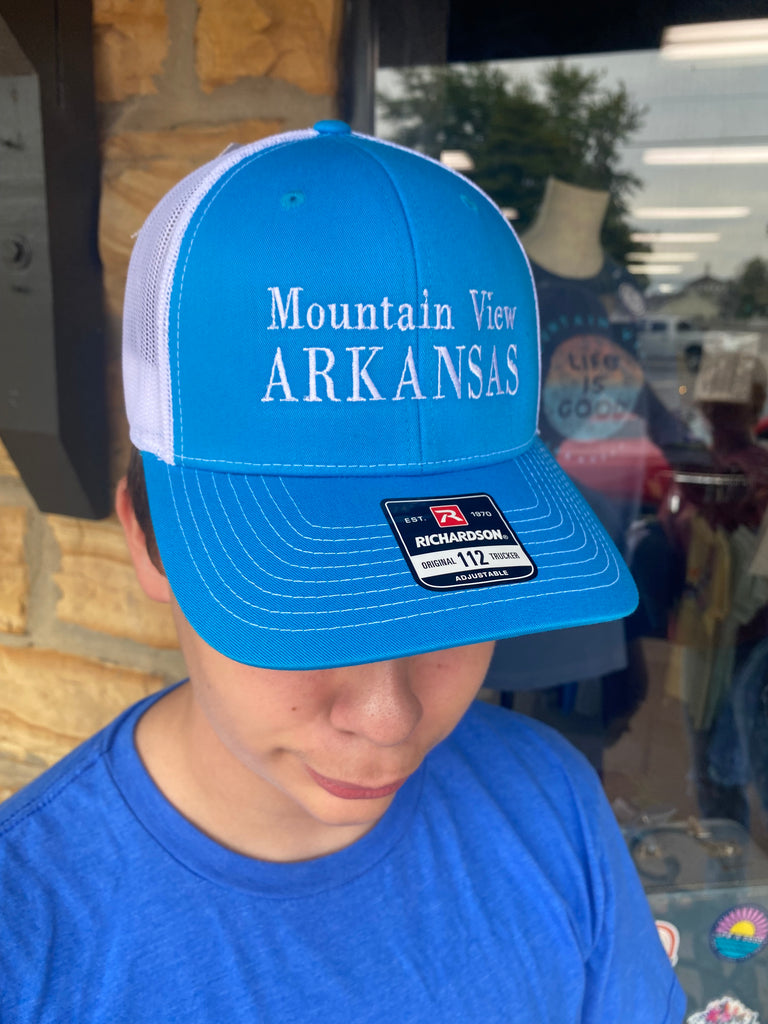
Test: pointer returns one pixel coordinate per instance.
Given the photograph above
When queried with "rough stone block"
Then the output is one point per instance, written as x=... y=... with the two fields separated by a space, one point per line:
x=14 y=577
x=98 y=587
x=130 y=46
x=230 y=42
x=293 y=40
x=140 y=167
x=50 y=702
x=306 y=38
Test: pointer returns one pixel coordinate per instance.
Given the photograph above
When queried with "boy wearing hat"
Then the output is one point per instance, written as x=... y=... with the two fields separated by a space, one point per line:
x=332 y=371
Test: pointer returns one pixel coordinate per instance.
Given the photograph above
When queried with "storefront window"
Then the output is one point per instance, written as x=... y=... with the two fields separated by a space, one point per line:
x=637 y=184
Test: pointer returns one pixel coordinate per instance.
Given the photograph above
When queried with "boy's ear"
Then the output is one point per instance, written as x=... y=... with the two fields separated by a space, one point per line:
x=153 y=582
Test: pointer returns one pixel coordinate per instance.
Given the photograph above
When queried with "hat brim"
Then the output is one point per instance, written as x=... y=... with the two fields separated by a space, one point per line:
x=306 y=573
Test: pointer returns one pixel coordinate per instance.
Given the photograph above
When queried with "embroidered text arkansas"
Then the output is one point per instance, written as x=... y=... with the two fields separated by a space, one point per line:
x=474 y=371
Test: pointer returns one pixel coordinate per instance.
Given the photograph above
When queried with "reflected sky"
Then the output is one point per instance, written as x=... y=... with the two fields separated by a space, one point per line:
x=706 y=102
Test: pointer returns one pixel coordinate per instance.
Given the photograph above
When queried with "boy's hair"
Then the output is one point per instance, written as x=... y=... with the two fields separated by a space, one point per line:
x=137 y=491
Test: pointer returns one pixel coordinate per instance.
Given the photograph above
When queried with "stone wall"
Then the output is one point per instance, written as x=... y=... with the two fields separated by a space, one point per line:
x=176 y=81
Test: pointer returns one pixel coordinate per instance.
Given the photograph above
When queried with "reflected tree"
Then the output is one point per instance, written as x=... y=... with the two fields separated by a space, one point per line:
x=746 y=295
x=568 y=124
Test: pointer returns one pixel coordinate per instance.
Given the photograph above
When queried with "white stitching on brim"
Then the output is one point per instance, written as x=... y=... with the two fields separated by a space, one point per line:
x=368 y=526
x=261 y=569
x=520 y=594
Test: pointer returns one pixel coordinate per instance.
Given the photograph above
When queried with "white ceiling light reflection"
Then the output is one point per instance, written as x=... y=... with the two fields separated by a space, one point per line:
x=676 y=237
x=654 y=268
x=457 y=160
x=662 y=257
x=690 y=212
x=690 y=156
x=714 y=40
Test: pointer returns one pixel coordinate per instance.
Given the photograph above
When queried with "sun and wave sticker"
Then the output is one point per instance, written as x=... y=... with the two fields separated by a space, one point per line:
x=670 y=940
x=724 y=1011
x=740 y=933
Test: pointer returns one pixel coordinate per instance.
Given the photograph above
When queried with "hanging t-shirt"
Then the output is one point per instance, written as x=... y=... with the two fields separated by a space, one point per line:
x=600 y=417
x=617 y=290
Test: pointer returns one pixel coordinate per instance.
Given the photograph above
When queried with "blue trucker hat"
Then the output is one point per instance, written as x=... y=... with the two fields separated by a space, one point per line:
x=331 y=367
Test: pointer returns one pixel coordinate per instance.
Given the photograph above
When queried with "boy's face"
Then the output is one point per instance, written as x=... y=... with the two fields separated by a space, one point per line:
x=325 y=750
x=291 y=765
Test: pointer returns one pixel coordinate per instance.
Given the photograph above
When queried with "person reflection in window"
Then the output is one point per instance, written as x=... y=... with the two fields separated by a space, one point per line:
x=722 y=615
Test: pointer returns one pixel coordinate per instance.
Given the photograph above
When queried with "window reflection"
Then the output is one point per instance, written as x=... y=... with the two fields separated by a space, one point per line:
x=637 y=186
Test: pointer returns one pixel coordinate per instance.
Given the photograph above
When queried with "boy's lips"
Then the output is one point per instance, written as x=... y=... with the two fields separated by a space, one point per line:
x=350 y=790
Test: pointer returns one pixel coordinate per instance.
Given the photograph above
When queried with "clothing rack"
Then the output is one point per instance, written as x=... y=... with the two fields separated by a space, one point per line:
x=717 y=486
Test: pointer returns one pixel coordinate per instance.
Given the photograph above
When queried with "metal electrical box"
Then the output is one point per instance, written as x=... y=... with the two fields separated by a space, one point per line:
x=52 y=367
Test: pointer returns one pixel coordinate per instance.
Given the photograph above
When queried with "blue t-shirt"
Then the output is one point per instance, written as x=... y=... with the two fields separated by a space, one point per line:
x=497 y=887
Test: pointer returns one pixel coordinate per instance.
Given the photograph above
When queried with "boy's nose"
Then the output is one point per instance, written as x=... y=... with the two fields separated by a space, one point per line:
x=377 y=701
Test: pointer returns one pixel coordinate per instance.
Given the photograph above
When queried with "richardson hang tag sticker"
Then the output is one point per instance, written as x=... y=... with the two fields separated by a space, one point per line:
x=458 y=542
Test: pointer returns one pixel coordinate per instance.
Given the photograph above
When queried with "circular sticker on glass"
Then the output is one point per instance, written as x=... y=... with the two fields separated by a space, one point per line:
x=631 y=298
x=592 y=387
x=740 y=933
x=724 y=1011
x=670 y=940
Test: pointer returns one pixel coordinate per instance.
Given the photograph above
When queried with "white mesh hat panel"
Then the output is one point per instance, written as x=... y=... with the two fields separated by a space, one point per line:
x=146 y=369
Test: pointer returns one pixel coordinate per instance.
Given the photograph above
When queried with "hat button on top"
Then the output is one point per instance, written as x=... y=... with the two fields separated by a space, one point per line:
x=332 y=128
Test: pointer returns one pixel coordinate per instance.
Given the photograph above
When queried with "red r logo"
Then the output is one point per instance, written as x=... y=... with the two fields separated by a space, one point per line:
x=448 y=515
